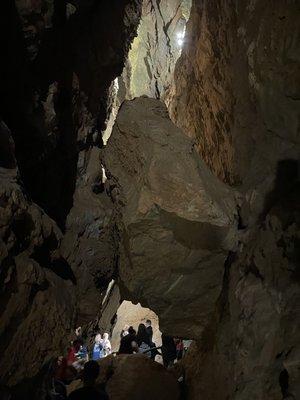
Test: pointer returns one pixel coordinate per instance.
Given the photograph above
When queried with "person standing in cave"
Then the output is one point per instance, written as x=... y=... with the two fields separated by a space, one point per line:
x=106 y=345
x=143 y=341
x=124 y=331
x=89 y=391
x=128 y=342
x=149 y=329
x=168 y=350
x=98 y=348
x=72 y=351
x=179 y=349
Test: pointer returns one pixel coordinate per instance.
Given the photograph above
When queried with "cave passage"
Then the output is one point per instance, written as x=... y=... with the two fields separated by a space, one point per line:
x=149 y=199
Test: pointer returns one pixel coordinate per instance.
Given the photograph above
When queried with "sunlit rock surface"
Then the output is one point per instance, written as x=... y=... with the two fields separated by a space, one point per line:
x=237 y=86
x=132 y=315
x=152 y=58
x=178 y=220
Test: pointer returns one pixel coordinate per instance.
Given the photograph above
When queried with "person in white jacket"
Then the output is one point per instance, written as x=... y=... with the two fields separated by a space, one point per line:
x=106 y=345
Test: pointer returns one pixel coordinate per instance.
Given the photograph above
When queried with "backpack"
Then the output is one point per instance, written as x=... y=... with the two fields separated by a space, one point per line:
x=143 y=349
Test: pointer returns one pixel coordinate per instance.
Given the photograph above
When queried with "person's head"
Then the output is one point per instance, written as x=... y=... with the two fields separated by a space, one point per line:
x=126 y=327
x=76 y=344
x=98 y=338
x=60 y=360
x=78 y=331
x=131 y=331
x=141 y=328
x=90 y=372
x=148 y=322
x=105 y=336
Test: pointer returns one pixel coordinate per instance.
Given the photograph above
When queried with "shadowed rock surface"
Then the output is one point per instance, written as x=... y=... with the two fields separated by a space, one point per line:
x=135 y=377
x=37 y=285
x=177 y=218
x=217 y=260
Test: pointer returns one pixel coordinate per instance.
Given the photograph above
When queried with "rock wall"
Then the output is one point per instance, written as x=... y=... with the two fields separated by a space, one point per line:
x=237 y=86
x=236 y=94
x=57 y=255
x=253 y=348
x=218 y=263
x=38 y=305
x=152 y=58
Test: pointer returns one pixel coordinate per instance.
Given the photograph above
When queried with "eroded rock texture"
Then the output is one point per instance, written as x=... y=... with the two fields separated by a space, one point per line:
x=177 y=219
x=157 y=47
x=216 y=264
x=254 y=348
x=37 y=284
x=60 y=60
x=54 y=93
x=236 y=93
x=237 y=86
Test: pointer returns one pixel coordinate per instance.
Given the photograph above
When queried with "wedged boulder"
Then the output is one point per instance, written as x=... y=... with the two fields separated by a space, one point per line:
x=135 y=377
x=178 y=220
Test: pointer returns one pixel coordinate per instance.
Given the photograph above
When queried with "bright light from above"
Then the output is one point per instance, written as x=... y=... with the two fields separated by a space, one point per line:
x=180 y=37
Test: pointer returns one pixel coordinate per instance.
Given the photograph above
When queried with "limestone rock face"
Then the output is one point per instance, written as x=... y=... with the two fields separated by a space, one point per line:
x=236 y=90
x=59 y=67
x=37 y=298
x=157 y=47
x=177 y=219
x=59 y=63
x=254 y=349
x=237 y=84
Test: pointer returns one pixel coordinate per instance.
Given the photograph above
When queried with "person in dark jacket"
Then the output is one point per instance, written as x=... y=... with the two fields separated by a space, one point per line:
x=168 y=350
x=143 y=341
x=89 y=391
x=149 y=329
x=128 y=342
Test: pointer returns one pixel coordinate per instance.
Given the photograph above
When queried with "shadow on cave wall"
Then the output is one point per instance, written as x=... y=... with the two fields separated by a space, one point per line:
x=83 y=44
x=284 y=202
x=47 y=169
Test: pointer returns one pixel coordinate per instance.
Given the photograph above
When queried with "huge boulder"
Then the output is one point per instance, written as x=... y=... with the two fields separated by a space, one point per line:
x=178 y=220
x=135 y=377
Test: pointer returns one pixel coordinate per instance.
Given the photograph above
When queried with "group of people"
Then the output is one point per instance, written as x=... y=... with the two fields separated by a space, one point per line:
x=172 y=349
x=89 y=391
x=102 y=346
x=138 y=342
x=78 y=353
x=80 y=362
